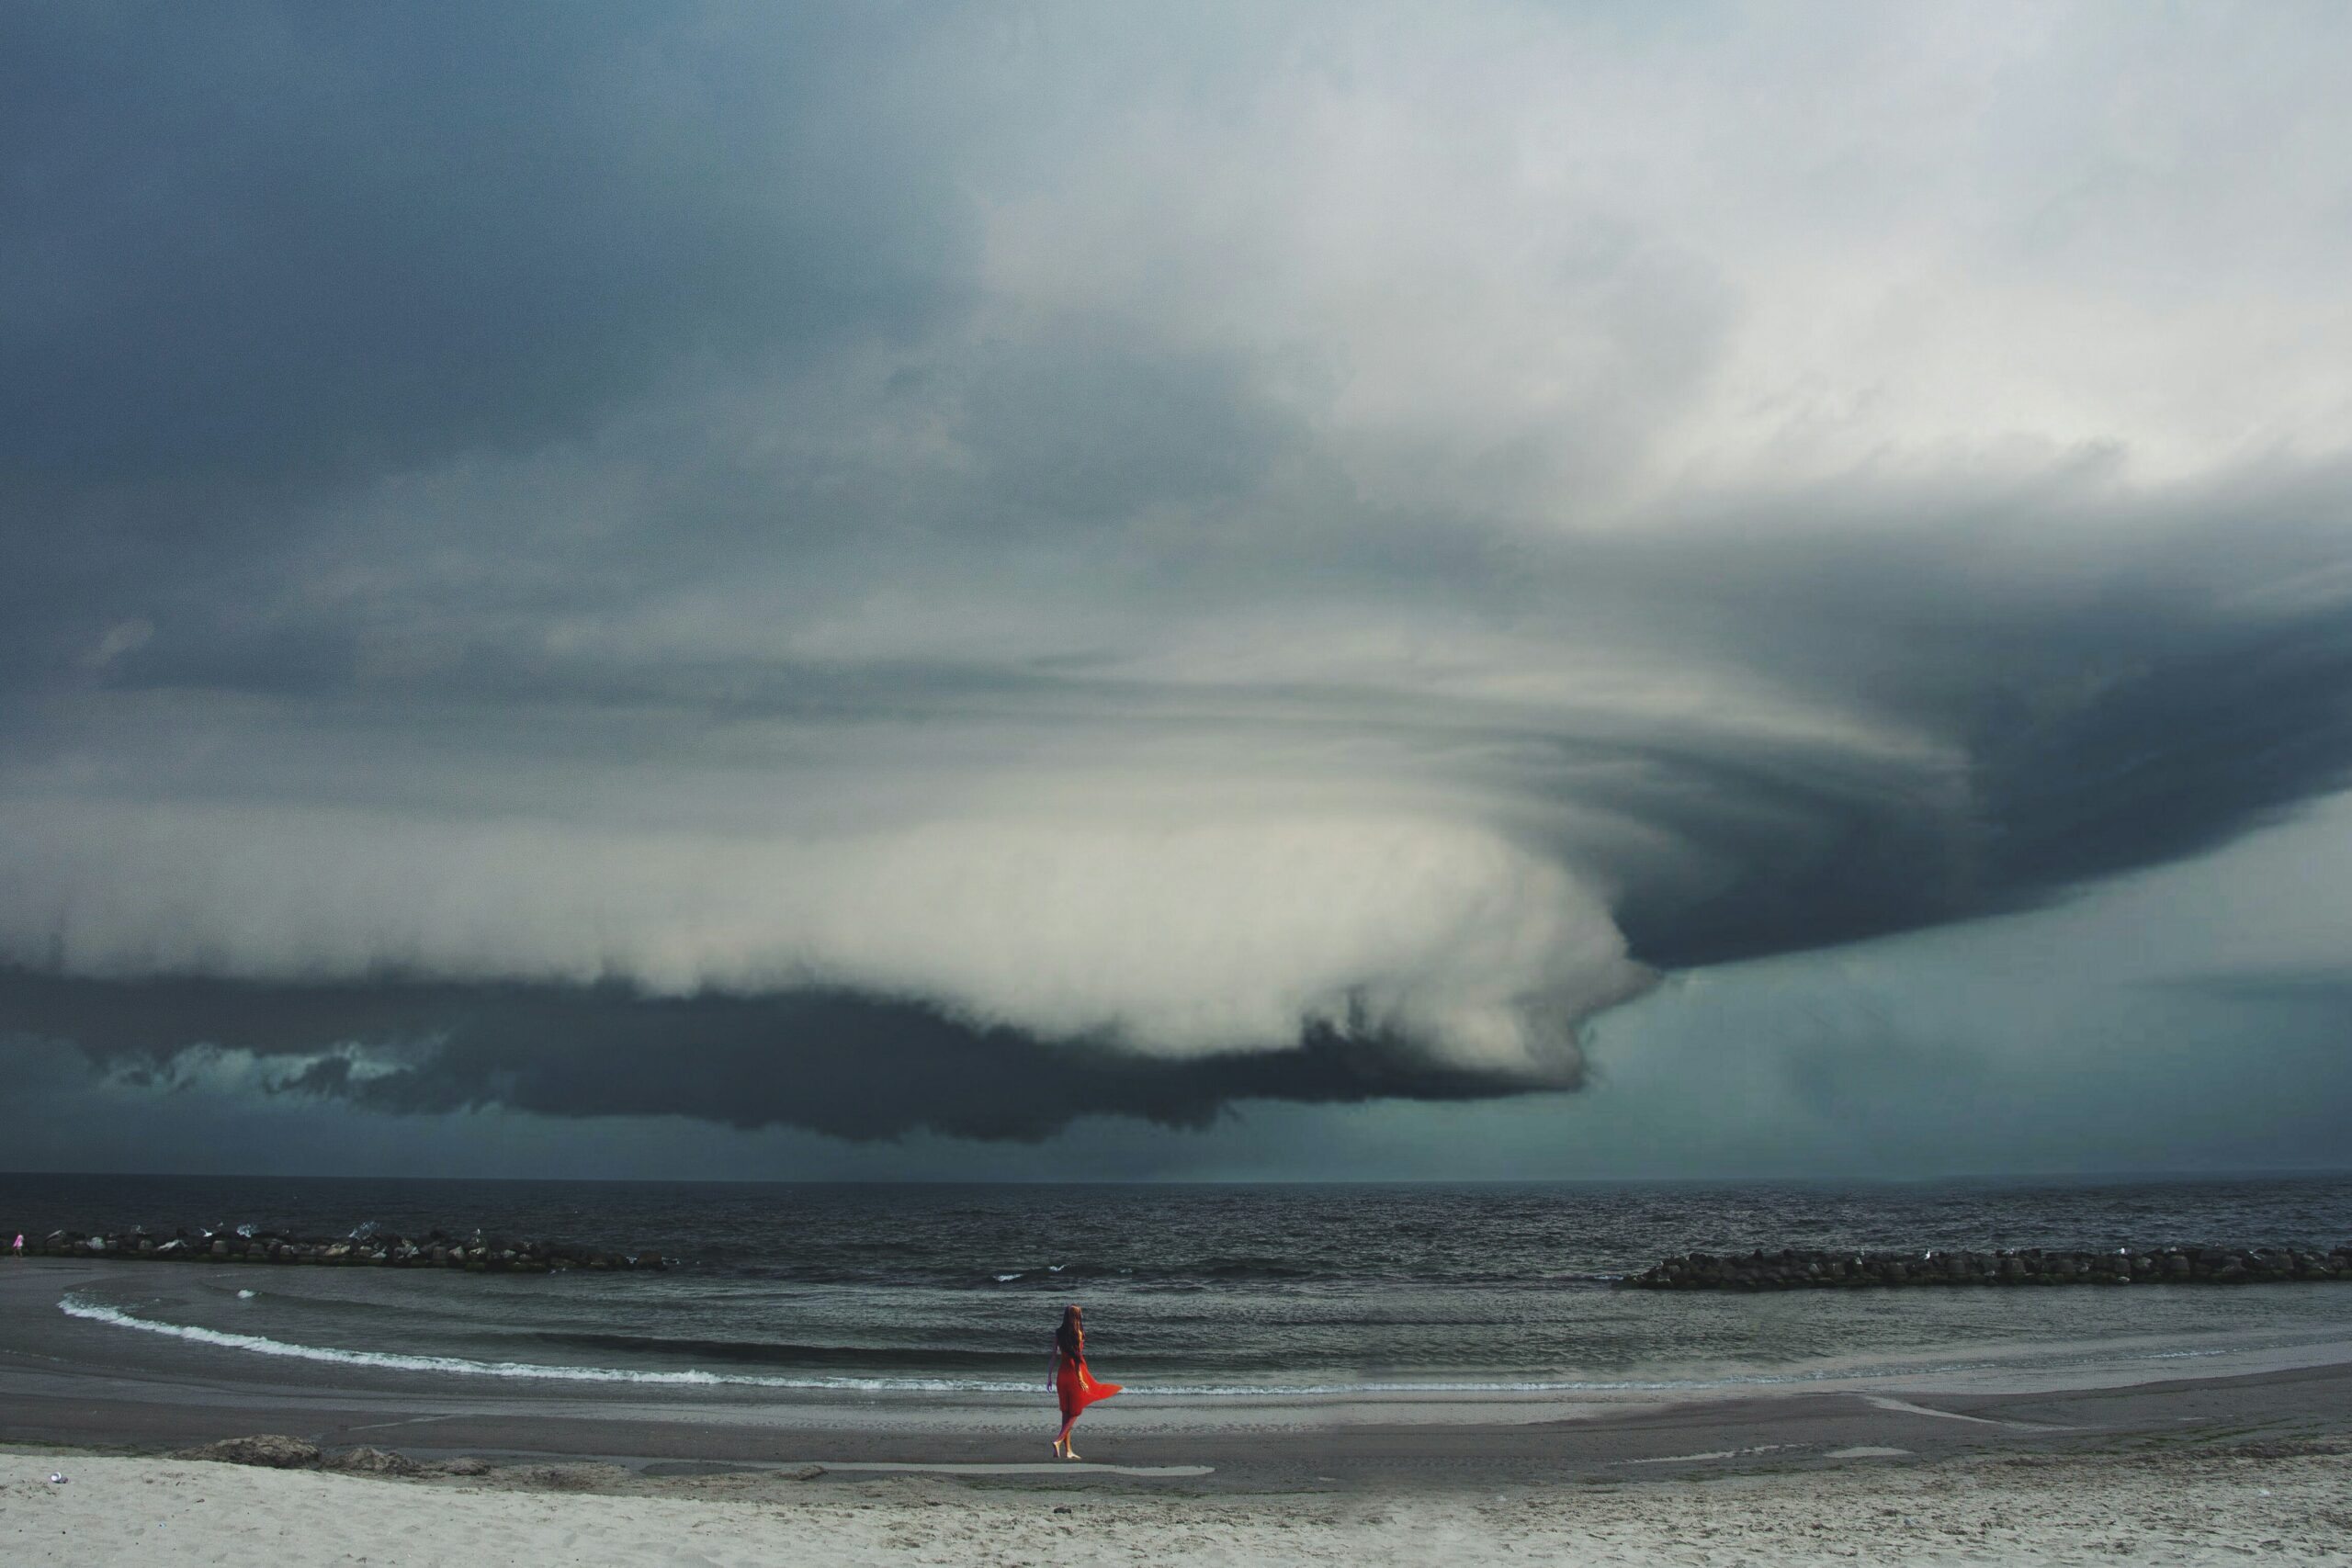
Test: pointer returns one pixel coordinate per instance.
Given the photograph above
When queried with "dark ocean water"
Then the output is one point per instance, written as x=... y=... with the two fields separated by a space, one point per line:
x=1188 y=1288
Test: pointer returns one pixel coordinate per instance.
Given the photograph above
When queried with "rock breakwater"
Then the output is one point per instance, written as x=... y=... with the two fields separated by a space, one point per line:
x=436 y=1249
x=1792 y=1269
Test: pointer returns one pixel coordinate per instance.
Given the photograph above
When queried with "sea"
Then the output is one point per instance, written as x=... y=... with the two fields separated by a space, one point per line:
x=1194 y=1292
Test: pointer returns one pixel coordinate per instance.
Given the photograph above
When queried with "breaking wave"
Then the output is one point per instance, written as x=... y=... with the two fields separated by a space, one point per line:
x=467 y=1367
x=261 y=1345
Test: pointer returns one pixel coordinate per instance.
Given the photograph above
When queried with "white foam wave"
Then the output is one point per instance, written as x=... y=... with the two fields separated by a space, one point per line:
x=462 y=1366
x=261 y=1345
x=465 y=1367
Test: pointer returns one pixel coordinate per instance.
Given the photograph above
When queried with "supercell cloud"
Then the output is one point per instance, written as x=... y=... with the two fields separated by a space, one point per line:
x=963 y=568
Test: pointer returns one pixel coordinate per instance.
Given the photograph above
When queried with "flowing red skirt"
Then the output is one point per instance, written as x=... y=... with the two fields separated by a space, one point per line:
x=1078 y=1388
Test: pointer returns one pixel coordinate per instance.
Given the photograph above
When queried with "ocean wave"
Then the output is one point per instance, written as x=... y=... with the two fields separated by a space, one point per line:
x=1238 y=1268
x=1207 y=1272
x=1182 y=1275
x=461 y=1366
x=778 y=1352
x=75 y=1306
x=395 y=1360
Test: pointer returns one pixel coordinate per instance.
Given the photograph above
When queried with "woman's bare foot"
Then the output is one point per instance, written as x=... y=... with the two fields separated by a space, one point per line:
x=1069 y=1454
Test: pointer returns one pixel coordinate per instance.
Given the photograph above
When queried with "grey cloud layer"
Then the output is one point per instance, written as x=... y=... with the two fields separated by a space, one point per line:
x=878 y=1068
x=920 y=552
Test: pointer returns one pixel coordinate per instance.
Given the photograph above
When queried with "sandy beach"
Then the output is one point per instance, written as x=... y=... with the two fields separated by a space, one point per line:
x=2287 y=1503
x=2254 y=1460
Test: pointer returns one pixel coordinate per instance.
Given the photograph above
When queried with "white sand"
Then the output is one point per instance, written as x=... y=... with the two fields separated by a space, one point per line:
x=2191 y=1508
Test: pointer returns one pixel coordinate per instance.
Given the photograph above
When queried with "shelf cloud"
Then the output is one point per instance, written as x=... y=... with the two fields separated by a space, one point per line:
x=961 y=569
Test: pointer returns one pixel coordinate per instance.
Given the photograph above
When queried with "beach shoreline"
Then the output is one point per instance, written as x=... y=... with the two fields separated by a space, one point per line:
x=69 y=1382
x=2192 y=1468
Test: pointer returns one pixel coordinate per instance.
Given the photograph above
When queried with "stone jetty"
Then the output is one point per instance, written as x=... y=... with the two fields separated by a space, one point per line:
x=1789 y=1269
x=475 y=1253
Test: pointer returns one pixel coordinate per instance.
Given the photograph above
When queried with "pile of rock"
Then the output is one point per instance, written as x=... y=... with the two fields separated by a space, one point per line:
x=274 y=1450
x=1790 y=1269
x=436 y=1249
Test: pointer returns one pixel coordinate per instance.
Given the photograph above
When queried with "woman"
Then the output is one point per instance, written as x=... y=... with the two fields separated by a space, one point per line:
x=1071 y=1379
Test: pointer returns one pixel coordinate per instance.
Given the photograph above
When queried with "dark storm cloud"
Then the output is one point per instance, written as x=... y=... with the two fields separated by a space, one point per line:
x=254 y=253
x=2206 y=724
x=267 y=241
x=897 y=568
x=2318 y=990
x=851 y=1067
x=2139 y=713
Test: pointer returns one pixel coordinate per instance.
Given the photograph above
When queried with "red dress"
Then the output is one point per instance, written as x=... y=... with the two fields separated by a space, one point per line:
x=1078 y=1388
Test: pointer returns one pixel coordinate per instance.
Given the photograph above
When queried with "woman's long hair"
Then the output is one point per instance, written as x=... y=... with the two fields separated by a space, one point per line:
x=1069 y=1339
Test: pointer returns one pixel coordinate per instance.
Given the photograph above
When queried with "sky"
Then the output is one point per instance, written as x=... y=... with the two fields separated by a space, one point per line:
x=1237 y=592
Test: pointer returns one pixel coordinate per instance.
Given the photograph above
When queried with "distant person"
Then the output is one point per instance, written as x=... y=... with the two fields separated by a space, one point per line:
x=1072 y=1381
x=18 y=1249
